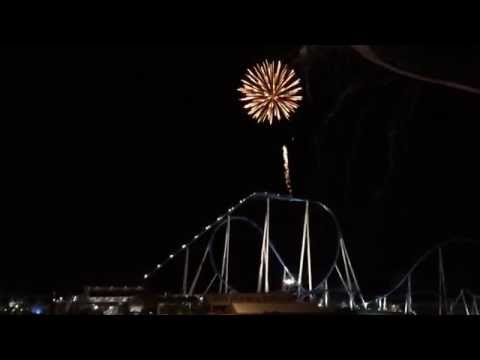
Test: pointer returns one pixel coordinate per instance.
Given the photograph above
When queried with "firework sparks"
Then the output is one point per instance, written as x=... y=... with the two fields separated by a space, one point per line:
x=271 y=92
x=286 y=169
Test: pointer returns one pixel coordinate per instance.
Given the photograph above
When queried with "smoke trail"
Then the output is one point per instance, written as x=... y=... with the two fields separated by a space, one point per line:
x=305 y=63
x=368 y=53
x=286 y=169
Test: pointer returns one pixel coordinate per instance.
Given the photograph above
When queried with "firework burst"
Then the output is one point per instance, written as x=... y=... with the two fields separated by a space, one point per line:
x=271 y=92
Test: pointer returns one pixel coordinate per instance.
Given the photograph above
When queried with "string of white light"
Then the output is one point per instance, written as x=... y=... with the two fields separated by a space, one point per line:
x=219 y=219
x=212 y=225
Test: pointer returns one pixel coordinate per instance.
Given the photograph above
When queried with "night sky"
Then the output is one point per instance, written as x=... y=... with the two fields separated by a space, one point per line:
x=113 y=156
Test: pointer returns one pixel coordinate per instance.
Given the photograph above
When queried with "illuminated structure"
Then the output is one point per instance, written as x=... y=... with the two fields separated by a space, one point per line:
x=317 y=294
x=297 y=294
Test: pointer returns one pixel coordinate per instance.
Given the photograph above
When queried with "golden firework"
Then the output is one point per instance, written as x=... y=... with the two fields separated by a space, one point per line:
x=286 y=168
x=271 y=91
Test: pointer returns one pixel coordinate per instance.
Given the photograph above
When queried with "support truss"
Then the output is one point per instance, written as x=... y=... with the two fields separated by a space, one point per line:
x=263 y=274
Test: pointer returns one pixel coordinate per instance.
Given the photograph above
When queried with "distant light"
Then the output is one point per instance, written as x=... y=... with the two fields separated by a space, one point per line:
x=207 y=227
x=61 y=298
x=95 y=307
x=159 y=266
x=75 y=298
x=145 y=276
x=184 y=246
x=289 y=281
x=16 y=306
x=37 y=310
x=196 y=237
x=201 y=298
x=171 y=256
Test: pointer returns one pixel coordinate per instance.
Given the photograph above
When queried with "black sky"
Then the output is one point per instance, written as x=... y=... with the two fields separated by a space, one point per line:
x=115 y=155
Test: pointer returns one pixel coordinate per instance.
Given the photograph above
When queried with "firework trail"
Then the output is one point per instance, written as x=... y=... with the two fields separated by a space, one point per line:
x=286 y=168
x=271 y=91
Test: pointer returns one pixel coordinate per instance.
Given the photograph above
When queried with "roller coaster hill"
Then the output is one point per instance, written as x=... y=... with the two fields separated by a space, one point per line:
x=265 y=255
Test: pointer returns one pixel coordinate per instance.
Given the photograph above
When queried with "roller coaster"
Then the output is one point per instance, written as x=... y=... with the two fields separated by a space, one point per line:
x=297 y=280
